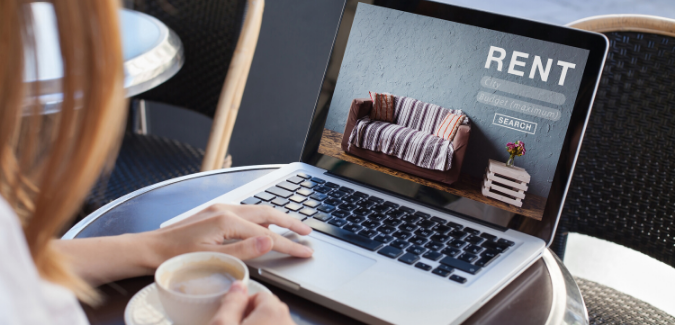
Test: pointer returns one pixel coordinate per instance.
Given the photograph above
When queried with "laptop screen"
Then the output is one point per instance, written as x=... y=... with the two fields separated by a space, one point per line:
x=469 y=119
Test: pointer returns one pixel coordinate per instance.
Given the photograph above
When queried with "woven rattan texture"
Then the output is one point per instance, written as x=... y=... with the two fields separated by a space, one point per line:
x=209 y=30
x=607 y=306
x=622 y=190
x=144 y=160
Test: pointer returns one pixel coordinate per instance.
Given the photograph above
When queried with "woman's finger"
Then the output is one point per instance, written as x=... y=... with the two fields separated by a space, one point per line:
x=268 y=215
x=248 y=248
x=233 y=306
x=241 y=228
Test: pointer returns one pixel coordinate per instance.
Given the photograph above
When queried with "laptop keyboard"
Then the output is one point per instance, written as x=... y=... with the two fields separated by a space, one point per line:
x=392 y=230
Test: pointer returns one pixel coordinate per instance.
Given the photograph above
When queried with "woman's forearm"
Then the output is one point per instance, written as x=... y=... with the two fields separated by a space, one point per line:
x=101 y=260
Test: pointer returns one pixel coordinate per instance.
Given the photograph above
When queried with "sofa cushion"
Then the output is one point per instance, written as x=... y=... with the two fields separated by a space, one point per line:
x=449 y=126
x=417 y=147
x=421 y=116
x=383 y=107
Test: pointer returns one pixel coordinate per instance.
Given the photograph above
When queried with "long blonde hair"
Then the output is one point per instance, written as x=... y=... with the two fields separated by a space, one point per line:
x=48 y=163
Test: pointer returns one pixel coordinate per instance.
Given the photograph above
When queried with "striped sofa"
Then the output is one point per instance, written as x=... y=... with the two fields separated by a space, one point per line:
x=407 y=144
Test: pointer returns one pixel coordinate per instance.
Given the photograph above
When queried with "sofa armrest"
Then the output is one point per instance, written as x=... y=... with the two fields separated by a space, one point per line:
x=360 y=108
x=462 y=137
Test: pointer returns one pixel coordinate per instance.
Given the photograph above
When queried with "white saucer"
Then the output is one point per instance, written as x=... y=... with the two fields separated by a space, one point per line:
x=144 y=307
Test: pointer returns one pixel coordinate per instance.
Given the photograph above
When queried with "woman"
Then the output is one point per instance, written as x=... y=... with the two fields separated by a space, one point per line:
x=49 y=163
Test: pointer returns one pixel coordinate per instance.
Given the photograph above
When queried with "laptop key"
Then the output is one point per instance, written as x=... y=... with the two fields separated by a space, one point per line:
x=303 y=175
x=312 y=203
x=409 y=258
x=484 y=261
x=281 y=209
x=377 y=217
x=341 y=214
x=347 y=189
x=434 y=246
x=368 y=233
x=347 y=206
x=337 y=194
x=472 y=231
x=322 y=189
x=402 y=234
x=417 y=240
x=308 y=212
x=317 y=180
x=294 y=206
x=451 y=251
x=326 y=208
x=467 y=257
x=443 y=230
x=401 y=244
x=352 y=199
x=406 y=226
x=279 y=192
x=367 y=204
x=440 y=238
x=304 y=192
x=288 y=186
x=392 y=222
x=424 y=233
x=457 y=243
x=505 y=242
x=422 y=215
x=295 y=180
x=350 y=237
x=457 y=278
x=438 y=220
x=455 y=225
x=381 y=209
x=475 y=240
x=391 y=252
x=384 y=238
x=491 y=253
x=494 y=246
x=297 y=215
x=251 y=201
x=308 y=184
x=353 y=227
x=331 y=185
x=432 y=255
x=361 y=194
x=280 y=201
x=376 y=199
x=458 y=234
x=417 y=250
x=322 y=217
x=265 y=196
x=370 y=224
x=298 y=198
x=356 y=219
x=488 y=236
x=411 y=219
x=338 y=222
x=460 y=265
x=362 y=212
x=440 y=272
x=397 y=214
x=423 y=266
x=473 y=249
x=332 y=201
x=386 y=230
x=407 y=209
x=391 y=204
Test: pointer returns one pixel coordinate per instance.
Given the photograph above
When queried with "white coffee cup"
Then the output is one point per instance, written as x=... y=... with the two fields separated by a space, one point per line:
x=195 y=309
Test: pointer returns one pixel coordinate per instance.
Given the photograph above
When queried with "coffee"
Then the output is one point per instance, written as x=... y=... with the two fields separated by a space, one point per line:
x=202 y=278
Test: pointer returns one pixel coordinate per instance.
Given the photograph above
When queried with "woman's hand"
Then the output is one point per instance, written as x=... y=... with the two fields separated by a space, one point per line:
x=209 y=229
x=262 y=308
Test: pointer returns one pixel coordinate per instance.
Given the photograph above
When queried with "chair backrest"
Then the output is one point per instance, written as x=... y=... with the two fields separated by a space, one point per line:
x=219 y=38
x=209 y=30
x=623 y=186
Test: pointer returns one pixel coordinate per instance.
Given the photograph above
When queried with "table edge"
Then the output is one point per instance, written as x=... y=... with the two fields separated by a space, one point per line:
x=77 y=228
x=567 y=306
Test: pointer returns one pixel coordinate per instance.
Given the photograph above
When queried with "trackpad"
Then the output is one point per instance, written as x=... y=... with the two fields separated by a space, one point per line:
x=329 y=268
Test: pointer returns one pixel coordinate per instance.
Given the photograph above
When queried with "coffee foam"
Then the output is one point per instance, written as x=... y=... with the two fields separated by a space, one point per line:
x=202 y=277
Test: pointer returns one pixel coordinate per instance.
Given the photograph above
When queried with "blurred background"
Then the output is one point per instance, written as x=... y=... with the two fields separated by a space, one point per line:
x=285 y=79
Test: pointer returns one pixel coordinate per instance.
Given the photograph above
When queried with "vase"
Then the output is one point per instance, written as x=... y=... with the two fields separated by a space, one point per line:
x=509 y=163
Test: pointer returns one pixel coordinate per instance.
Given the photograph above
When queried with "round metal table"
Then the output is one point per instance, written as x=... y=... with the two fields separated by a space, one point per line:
x=152 y=53
x=545 y=293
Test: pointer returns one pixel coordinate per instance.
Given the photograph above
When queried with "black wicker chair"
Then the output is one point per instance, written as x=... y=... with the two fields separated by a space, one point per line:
x=623 y=185
x=214 y=50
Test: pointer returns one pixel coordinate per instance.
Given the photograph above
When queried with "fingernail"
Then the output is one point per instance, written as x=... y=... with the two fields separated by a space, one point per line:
x=263 y=243
x=237 y=286
x=309 y=250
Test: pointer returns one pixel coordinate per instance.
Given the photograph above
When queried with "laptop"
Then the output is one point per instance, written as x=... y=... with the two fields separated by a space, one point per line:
x=416 y=217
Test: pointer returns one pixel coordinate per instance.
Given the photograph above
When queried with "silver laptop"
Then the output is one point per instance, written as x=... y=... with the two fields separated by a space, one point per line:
x=416 y=218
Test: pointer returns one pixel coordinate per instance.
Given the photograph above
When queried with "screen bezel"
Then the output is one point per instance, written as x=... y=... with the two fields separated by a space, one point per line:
x=596 y=43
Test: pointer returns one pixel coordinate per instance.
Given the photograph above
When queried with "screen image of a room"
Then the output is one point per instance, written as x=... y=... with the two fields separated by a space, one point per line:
x=436 y=102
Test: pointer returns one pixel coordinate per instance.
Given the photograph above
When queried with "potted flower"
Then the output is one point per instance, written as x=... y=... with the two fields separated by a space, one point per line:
x=514 y=149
